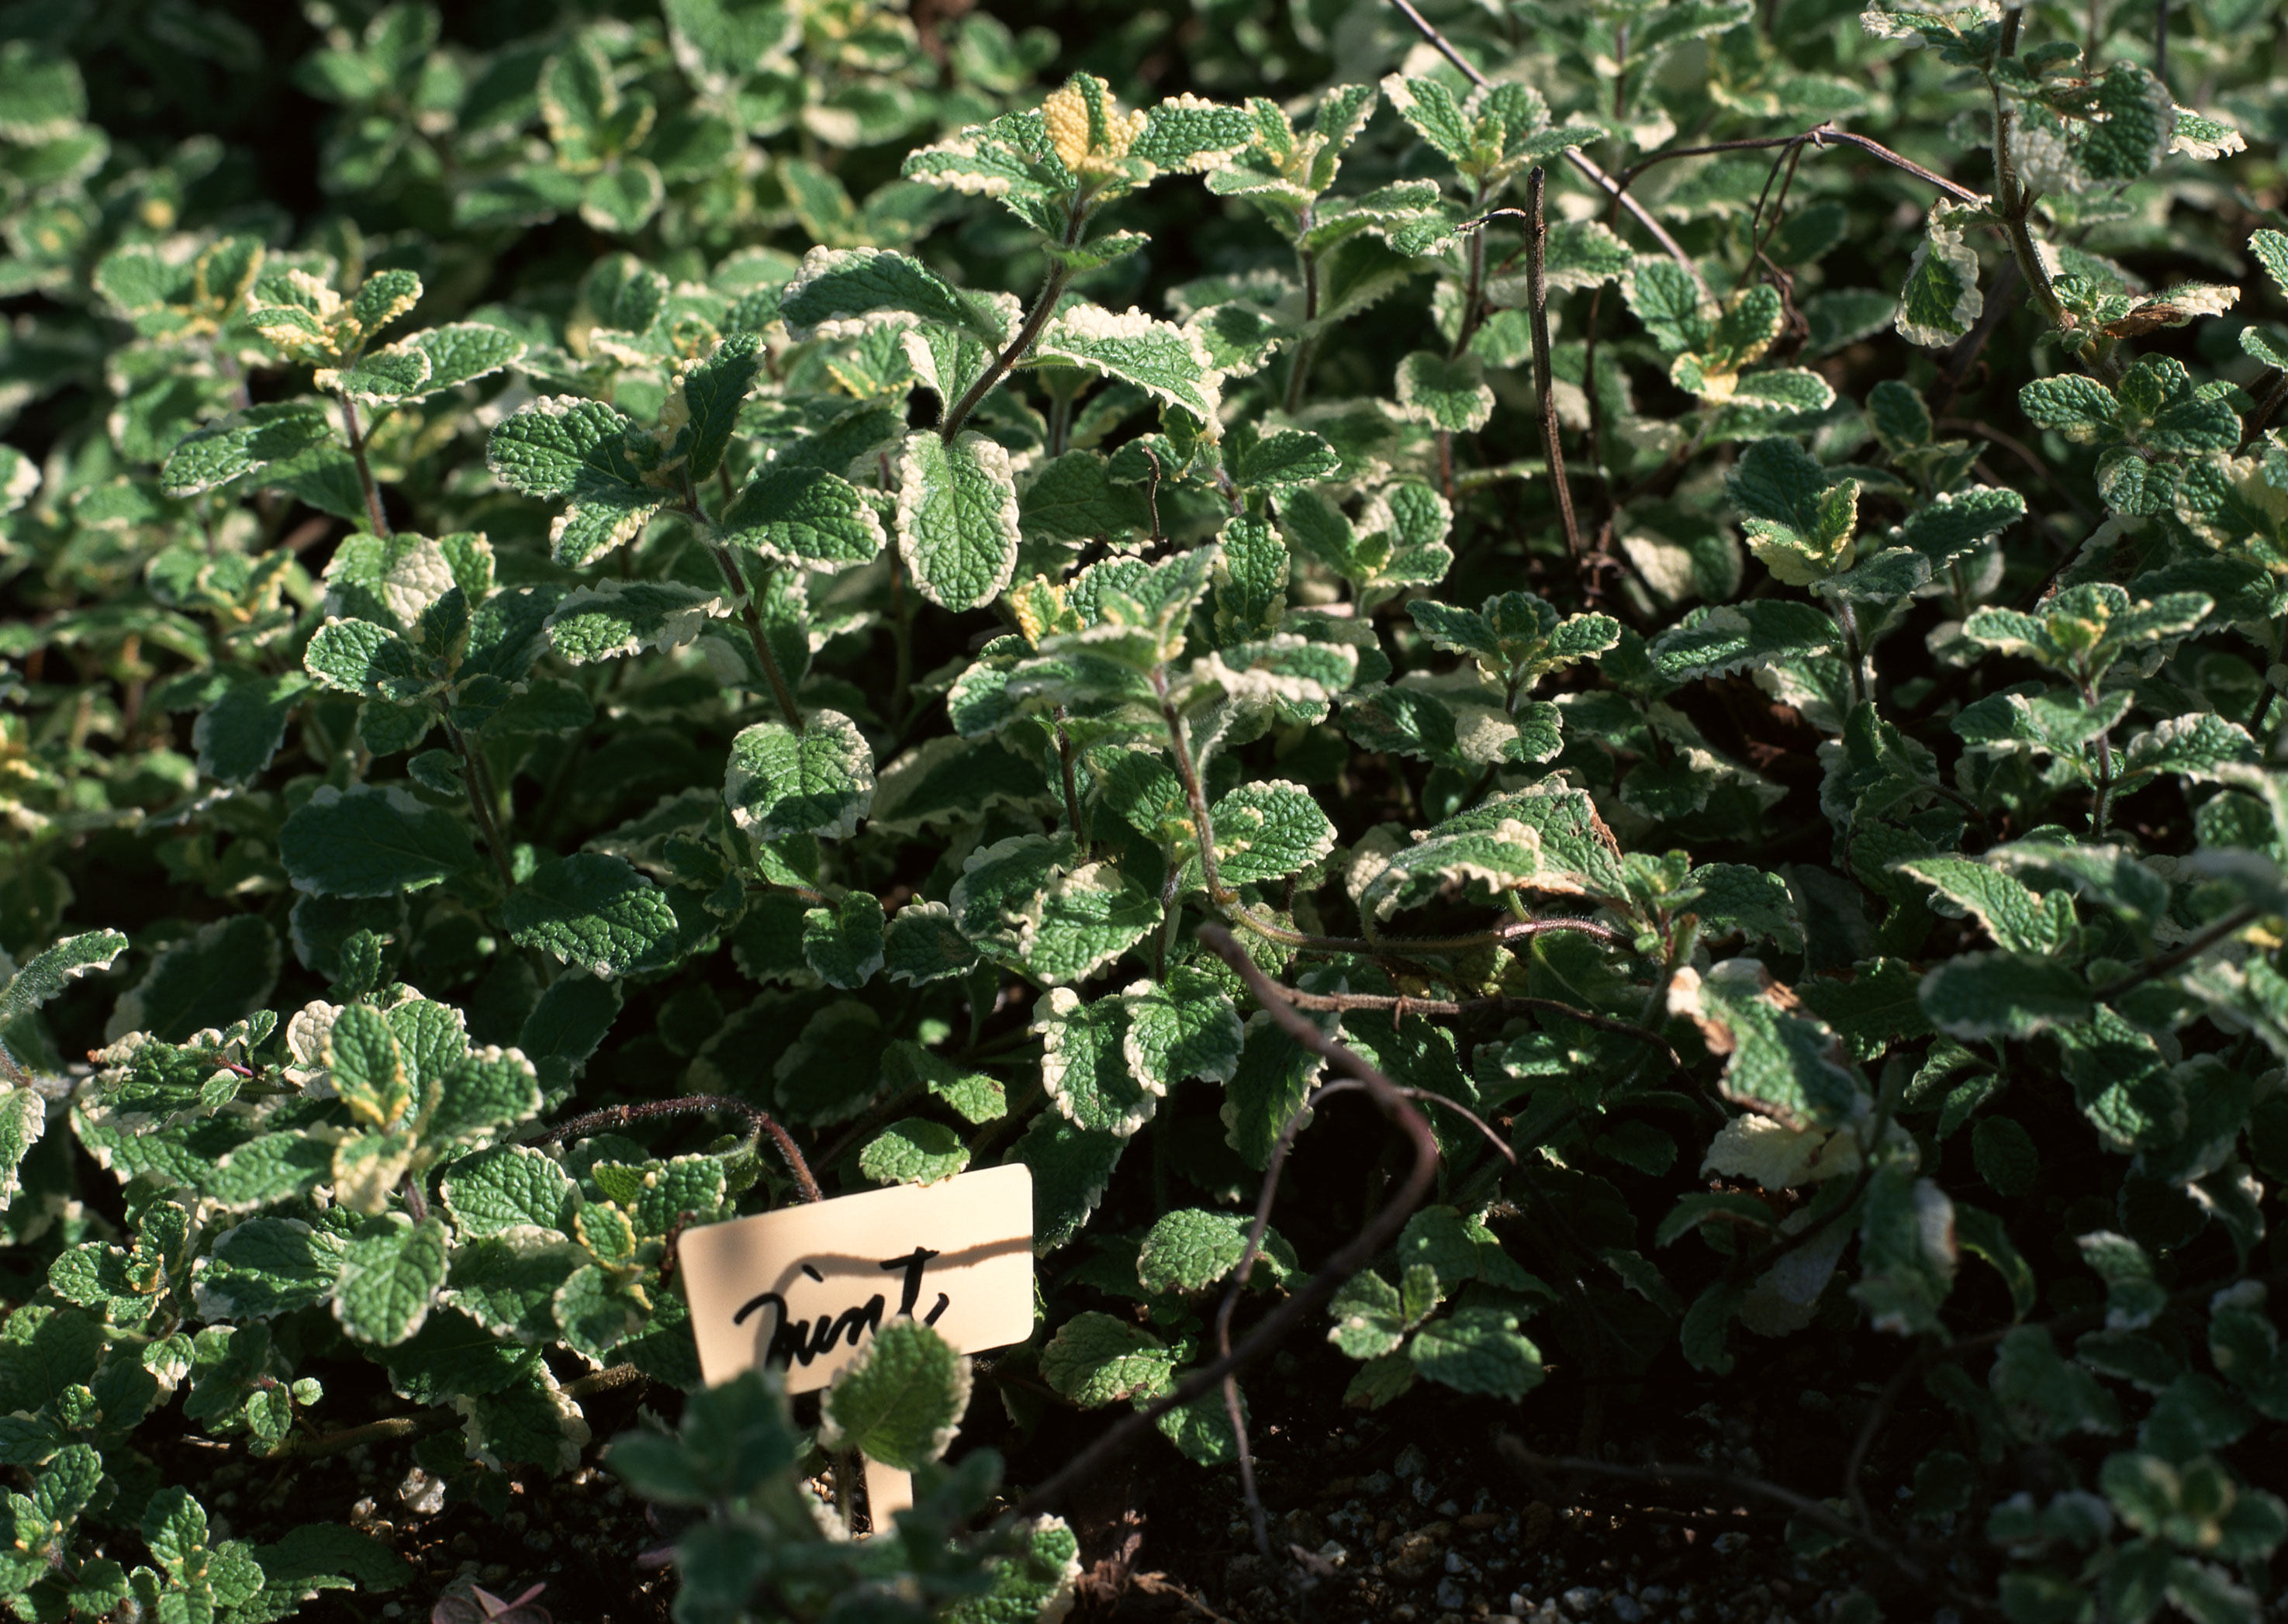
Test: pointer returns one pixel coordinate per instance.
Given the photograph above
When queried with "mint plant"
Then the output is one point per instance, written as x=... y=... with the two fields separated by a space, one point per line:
x=738 y=603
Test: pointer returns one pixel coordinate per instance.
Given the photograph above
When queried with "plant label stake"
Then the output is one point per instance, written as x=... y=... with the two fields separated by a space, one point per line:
x=801 y=1289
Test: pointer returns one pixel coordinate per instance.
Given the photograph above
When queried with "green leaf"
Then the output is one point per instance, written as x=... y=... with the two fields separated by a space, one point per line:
x=360 y=657
x=913 y=1150
x=259 y=436
x=371 y=842
x=594 y=911
x=1190 y=1250
x=820 y=782
x=368 y=1068
x=1072 y=1167
x=1478 y=1350
x=1095 y=1359
x=564 y=445
x=1784 y=1065
x=1268 y=830
x=804 y=516
x=2005 y=1154
x=1274 y=1076
x=974 y=1095
x=922 y=944
x=1715 y=642
x=1084 y=922
x=844 y=944
x=712 y=391
x=2134 y=1295
x=957 y=512
x=237 y=735
x=2012 y=914
x=390 y=1276
x=265 y=1267
x=1799 y=519
x=617 y=618
x=900 y=1400
x=507 y=1188
x=2003 y=994
x=1959 y=522
x=508 y=1283
x=596 y=1309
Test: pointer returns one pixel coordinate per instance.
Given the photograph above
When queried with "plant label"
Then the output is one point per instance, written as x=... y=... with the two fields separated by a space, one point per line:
x=801 y=1289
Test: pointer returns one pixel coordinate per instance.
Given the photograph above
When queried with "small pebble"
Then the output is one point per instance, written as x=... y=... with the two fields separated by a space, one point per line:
x=1580 y=1600
x=1731 y=1544
x=1411 y=1462
x=1626 y=1610
x=1377 y=1483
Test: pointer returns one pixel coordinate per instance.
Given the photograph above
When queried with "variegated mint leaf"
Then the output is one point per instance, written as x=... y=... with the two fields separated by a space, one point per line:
x=843 y=943
x=1268 y=831
x=390 y=1274
x=711 y=394
x=1169 y=362
x=1083 y=1064
x=842 y=285
x=46 y=974
x=820 y=782
x=372 y=841
x=914 y=1150
x=1085 y=921
x=614 y=619
x=900 y=1400
x=957 y=516
x=1450 y=395
x=507 y=1188
x=594 y=911
x=1941 y=301
x=804 y=516
x=1186 y=1026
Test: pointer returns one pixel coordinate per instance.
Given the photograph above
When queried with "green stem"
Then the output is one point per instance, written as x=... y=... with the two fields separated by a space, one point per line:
x=1300 y=367
x=1071 y=782
x=2102 y=809
x=1852 y=651
x=477 y=780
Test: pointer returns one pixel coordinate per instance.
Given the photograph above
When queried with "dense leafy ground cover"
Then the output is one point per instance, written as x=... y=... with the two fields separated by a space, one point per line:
x=619 y=618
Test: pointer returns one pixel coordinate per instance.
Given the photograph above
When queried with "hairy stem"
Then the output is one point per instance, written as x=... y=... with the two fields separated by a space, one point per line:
x=1544 y=398
x=690 y=1104
x=752 y=615
x=476 y=781
x=374 y=515
x=1044 y=306
x=1299 y=365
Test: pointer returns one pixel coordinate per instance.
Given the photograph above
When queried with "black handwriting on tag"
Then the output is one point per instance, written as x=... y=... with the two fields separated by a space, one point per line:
x=798 y=1338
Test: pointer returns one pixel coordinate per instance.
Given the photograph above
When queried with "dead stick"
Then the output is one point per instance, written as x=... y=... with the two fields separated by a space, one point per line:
x=1273 y=1328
